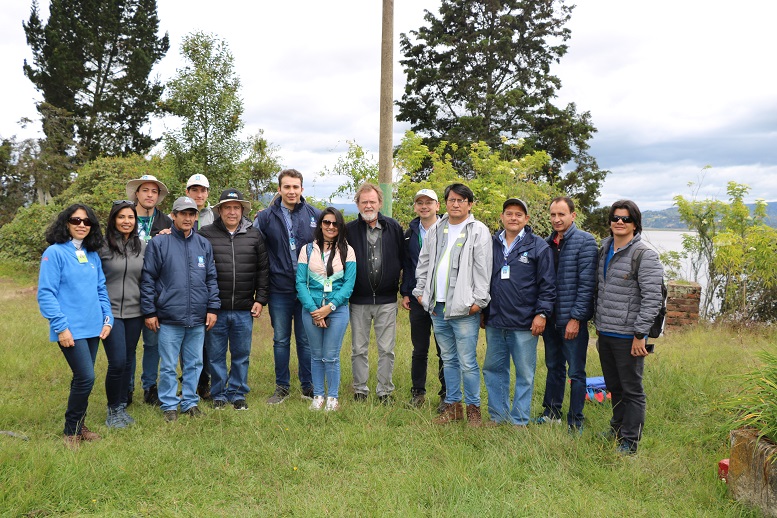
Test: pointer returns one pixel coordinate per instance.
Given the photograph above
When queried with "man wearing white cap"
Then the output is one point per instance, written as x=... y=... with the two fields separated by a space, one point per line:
x=147 y=192
x=426 y=206
x=179 y=297
x=198 y=188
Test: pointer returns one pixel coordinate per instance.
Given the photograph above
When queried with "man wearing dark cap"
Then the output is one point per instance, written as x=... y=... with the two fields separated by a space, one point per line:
x=244 y=285
x=180 y=300
x=523 y=289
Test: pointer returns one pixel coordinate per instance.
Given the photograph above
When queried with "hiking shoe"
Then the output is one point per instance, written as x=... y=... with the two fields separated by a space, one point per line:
x=114 y=418
x=417 y=401
x=171 y=415
x=332 y=405
x=88 y=435
x=575 y=430
x=307 y=393
x=204 y=392
x=194 y=412
x=386 y=399
x=219 y=404
x=125 y=416
x=474 y=418
x=626 y=448
x=151 y=396
x=546 y=419
x=279 y=396
x=72 y=442
x=360 y=396
x=317 y=404
x=240 y=404
x=441 y=406
x=452 y=412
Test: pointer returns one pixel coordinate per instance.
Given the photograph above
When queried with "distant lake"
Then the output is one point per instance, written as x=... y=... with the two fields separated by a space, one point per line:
x=672 y=240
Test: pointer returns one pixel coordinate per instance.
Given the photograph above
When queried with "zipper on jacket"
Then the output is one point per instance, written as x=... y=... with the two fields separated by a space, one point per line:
x=234 y=268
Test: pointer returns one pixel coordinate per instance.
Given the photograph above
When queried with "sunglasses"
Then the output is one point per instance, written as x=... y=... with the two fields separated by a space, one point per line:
x=77 y=221
x=327 y=223
x=123 y=202
x=625 y=219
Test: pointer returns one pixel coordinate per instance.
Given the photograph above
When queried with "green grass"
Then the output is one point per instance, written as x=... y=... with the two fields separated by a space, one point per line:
x=366 y=460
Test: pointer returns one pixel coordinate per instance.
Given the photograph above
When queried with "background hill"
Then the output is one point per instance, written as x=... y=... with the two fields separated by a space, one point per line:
x=670 y=218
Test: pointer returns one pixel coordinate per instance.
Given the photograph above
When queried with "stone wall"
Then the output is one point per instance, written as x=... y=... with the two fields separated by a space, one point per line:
x=682 y=304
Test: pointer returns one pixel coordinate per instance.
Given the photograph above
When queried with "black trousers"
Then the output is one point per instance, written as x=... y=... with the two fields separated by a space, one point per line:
x=420 y=336
x=623 y=377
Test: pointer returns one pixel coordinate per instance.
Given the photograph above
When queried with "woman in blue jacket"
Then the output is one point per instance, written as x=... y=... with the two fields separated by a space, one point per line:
x=326 y=273
x=122 y=260
x=73 y=297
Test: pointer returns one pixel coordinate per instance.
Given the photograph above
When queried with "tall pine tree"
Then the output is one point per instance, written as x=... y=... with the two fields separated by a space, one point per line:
x=481 y=72
x=92 y=60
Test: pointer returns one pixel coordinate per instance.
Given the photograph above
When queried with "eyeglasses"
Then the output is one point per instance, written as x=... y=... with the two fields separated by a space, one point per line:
x=77 y=221
x=328 y=223
x=123 y=202
x=625 y=219
x=454 y=201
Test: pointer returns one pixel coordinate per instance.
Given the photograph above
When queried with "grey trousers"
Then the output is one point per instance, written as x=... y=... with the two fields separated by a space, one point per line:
x=384 y=318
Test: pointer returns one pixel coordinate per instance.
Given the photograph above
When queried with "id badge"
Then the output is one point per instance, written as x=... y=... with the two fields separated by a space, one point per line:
x=292 y=245
x=505 y=271
x=328 y=286
x=81 y=255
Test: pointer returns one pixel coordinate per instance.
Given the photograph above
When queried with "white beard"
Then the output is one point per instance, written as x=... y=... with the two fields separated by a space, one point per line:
x=369 y=217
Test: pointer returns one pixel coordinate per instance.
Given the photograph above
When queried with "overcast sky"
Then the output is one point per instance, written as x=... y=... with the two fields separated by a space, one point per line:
x=672 y=86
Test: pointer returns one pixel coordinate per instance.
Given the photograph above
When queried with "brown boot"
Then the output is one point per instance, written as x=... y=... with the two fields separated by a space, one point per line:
x=452 y=412
x=473 y=416
x=72 y=442
x=88 y=435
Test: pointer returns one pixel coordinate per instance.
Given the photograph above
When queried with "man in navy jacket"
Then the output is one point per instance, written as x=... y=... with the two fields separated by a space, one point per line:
x=522 y=296
x=287 y=226
x=566 y=335
x=179 y=296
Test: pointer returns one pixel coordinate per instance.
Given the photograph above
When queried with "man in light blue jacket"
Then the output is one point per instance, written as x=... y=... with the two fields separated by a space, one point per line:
x=452 y=283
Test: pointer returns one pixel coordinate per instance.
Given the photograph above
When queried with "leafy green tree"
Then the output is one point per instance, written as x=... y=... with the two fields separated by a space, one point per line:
x=205 y=95
x=357 y=166
x=92 y=59
x=481 y=72
x=260 y=167
x=14 y=191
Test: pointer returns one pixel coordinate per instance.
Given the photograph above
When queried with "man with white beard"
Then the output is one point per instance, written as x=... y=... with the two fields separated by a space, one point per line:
x=378 y=242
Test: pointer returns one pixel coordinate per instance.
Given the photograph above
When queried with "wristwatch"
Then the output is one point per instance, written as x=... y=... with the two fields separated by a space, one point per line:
x=639 y=336
x=541 y=315
x=332 y=307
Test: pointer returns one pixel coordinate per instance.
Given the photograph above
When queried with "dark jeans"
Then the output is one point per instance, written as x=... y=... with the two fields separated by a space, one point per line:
x=81 y=358
x=284 y=309
x=560 y=353
x=420 y=335
x=120 y=349
x=623 y=377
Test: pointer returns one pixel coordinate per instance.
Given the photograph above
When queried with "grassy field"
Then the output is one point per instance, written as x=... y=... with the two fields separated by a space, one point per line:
x=367 y=459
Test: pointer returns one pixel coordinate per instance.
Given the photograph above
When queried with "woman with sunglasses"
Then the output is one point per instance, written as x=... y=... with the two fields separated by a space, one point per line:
x=326 y=274
x=122 y=261
x=73 y=297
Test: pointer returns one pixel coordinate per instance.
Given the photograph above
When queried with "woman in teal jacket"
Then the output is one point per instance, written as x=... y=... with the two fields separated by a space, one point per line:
x=326 y=273
x=73 y=297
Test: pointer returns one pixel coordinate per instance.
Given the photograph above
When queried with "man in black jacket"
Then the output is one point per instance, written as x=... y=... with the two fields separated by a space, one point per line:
x=147 y=193
x=244 y=284
x=379 y=246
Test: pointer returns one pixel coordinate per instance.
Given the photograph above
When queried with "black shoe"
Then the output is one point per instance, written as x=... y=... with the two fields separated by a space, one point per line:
x=171 y=415
x=386 y=399
x=204 y=392
x=240 y=404
x=219 y=404
x=417 y=401
x=360 y=397
x=151 y=396
x=194 y=412
x=307 y=393
x=279 y=396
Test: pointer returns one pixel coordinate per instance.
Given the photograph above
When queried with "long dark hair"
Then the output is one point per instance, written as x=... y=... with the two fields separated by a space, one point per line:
x=115 y=239
x=342 y=237
x=57 y=231
x=634 y=212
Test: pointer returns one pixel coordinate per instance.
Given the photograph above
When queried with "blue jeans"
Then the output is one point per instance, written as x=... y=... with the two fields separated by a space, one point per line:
x=81 y=358
x=558 y=354
x=325 y=345
x=232 y=330
x=458 y=341
x=120 y=349
x=186 y=342
x=284 y=307
x=150 y=360
x=521 y=346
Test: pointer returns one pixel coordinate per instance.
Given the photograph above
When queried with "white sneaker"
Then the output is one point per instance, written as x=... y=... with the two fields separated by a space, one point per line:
x=332 y=404
x=317 y=404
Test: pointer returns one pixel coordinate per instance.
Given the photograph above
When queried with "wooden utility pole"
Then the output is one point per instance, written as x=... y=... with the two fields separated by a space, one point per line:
x=386 y=145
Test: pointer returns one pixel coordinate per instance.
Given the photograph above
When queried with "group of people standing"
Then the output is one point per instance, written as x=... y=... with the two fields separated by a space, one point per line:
x=193 y=282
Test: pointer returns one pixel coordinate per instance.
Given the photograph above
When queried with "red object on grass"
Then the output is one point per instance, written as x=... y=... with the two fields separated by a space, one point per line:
x=723 y=470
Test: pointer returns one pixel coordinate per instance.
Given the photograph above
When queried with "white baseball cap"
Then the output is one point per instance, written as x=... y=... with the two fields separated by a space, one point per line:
x=429 y=193
x=198 y=179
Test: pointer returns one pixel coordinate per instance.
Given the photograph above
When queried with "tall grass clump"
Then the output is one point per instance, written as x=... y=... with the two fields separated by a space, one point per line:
x=756 y=405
